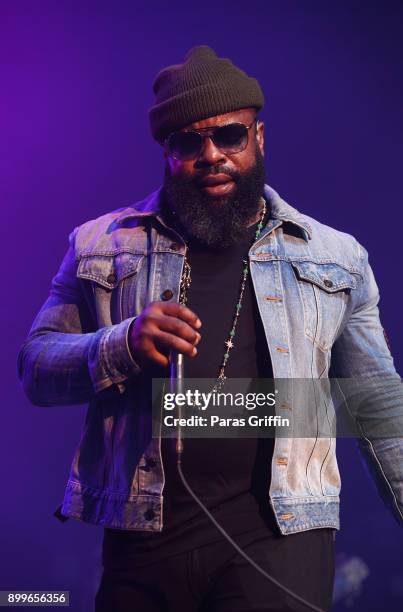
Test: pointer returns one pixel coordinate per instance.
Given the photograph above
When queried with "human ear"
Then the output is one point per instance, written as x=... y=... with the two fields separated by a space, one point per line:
x=260 y=135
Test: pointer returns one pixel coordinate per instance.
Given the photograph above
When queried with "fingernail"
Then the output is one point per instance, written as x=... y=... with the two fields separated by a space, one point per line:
x=194 y=351
x=198 y=323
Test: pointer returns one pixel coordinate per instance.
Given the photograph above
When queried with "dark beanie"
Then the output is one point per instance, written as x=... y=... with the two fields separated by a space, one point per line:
x=203 y=86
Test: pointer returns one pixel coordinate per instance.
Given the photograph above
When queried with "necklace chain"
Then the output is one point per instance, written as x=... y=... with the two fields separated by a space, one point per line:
x=185 y=282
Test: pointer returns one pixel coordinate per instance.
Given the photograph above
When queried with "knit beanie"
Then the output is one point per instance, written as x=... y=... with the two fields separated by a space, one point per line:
x=203 y=86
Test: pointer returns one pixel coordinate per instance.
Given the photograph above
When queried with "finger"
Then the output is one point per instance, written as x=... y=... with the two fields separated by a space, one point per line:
x=180 y=328
x=160 y=359
x=182 y=312
x=168 y=342
x=145 y=352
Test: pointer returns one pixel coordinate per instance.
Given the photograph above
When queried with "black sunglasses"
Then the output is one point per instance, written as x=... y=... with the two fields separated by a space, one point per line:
x=188 y=144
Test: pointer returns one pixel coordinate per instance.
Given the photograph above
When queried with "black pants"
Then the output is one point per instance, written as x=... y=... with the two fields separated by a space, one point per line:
x=215 y=578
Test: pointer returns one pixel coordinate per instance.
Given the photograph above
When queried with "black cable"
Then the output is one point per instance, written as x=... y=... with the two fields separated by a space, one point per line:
x=179 y=450
x=176 y=385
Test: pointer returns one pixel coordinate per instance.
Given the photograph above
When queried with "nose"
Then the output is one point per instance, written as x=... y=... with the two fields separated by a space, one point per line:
x=210 y=154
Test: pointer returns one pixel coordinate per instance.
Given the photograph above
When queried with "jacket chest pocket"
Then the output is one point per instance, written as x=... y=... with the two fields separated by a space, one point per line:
x=324 y=289
x=111 y=279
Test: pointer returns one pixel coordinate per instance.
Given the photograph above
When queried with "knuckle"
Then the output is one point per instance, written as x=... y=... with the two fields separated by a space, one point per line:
x=141 y=333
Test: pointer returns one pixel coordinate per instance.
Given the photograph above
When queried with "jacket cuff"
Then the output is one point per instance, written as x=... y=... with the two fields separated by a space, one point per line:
x=116 y=360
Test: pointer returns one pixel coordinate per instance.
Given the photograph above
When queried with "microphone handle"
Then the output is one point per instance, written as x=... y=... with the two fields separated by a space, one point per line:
x=177 y=374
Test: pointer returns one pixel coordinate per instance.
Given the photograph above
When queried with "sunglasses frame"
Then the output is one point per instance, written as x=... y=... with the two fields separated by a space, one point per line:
x=208 y=132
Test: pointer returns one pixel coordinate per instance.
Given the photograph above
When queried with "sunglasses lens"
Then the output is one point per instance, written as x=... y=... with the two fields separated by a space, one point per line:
x=184 y=145
x=231 y=138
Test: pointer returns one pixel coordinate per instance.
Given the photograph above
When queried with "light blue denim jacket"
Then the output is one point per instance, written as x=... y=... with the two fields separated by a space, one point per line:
x=317 y=298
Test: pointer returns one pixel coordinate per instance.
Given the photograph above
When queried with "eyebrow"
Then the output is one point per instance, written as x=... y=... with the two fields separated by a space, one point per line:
x=229 y=122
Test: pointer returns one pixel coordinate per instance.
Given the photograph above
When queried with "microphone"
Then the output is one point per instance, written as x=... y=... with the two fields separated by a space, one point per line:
x=176 y=386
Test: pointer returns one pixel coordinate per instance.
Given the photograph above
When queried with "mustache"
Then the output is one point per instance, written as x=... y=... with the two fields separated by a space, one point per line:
x=219 y=169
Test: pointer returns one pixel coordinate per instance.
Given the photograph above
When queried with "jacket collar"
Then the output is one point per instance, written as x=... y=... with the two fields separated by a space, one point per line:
x=151 y=205
x=281 y=210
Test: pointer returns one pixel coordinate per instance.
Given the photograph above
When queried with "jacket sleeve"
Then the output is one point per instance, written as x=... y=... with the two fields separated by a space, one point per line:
x=361 y=354
x=65 y=359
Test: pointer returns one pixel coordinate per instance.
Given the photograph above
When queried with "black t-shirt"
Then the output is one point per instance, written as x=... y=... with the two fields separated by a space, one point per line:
x=230 y=476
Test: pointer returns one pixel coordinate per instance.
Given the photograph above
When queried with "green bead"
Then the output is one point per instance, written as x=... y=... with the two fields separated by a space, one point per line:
x=232 y=332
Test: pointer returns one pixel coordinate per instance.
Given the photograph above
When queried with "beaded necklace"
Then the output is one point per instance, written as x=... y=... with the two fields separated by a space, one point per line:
x=185 y=284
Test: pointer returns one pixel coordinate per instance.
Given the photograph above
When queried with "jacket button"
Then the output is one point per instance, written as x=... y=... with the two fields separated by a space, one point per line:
x=167 y=294
x=328 y=283
x=111 y=278
x=149 y=514
x=149 y=464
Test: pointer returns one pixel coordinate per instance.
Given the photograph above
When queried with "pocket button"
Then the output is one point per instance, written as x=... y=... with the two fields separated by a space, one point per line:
x=166 y=295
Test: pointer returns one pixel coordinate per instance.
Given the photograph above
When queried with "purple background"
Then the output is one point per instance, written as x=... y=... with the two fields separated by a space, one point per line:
x=75 y=143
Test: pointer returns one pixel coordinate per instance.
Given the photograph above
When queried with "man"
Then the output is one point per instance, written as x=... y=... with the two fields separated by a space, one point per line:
x=265 y=292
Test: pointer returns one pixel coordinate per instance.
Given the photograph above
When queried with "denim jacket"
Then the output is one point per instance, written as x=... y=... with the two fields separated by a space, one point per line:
x=317 y=298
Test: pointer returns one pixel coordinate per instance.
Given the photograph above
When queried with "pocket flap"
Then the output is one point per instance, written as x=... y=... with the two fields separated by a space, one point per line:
x=108 y=270
x=330 y=277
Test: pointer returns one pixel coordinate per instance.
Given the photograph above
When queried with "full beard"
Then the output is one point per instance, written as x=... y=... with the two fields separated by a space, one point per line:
x=217 y=222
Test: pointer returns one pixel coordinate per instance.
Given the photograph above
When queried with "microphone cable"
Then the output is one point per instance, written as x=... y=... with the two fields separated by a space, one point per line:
x=177 y=383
